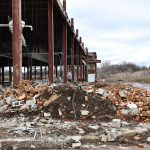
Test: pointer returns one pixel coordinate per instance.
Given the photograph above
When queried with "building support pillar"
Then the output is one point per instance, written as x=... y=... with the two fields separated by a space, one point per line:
x=10 y=75
x=41 y=72
x=34 y=72
x=81 y=69
x=65 y=44
x=0 y=74
x=3 y=76
x=31 y=69
x=17 y=42
x=51 y=40
x=77 y=60
x=72 y=50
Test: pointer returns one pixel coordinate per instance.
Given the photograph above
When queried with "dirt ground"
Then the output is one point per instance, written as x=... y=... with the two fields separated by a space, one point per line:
x=74 y=116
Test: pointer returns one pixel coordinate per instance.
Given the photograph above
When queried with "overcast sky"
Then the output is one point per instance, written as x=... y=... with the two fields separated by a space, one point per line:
x=118 y=30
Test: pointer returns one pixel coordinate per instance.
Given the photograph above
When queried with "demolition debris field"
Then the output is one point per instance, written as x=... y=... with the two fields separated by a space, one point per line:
x=84 y=116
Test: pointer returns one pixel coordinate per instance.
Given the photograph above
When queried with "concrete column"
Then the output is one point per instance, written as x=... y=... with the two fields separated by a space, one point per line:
x=51 y=40
x=17 y=42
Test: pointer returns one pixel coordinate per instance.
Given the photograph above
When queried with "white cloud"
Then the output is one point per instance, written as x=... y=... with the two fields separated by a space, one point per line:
x=118 y=30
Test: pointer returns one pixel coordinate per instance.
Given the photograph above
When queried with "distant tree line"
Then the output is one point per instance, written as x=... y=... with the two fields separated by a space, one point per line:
x=107 y=68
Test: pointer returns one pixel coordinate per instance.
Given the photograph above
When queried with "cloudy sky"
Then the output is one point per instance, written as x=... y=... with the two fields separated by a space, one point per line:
x=118 y=30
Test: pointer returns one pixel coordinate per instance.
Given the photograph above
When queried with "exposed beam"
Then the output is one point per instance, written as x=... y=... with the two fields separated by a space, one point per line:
x=65 y=49
x=17 y=42
x=51 y=40
x=72 y=50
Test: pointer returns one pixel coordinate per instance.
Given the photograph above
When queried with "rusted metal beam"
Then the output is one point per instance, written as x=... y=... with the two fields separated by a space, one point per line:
x=3 y=76
x=17 y=42
x=35 y=72
x=77 y=60
x=65 y=49
x=81 y=68
x=30 y=68
x=51 y=40
x=72 y=50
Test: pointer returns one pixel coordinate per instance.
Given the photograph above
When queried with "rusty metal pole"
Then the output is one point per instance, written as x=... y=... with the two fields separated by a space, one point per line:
x=72 y=50
x=81 y=66
x=30 y=68
x=35 y=72
x=51 y=40
x=77 y=60
x=17 y=42
x=65 y=44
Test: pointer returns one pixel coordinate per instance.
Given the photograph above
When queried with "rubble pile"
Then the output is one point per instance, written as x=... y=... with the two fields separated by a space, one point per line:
x=62 y=101
x=101 y=101
x=131 y=103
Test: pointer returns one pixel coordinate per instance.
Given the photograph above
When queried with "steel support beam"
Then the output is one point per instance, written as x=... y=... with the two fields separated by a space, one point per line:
x=65 y=49
x=72 y=50
x=35 y=72
x=81 y=69
x=17 y=42
x=51 y=40
x=77 y=60
x=41 y=72
x=30 y=68
x=3 y=75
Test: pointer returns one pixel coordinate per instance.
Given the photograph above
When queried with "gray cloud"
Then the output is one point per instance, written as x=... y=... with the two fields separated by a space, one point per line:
x=118 y=30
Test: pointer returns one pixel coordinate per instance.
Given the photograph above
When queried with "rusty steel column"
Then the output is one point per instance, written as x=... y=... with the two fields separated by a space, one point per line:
x=65 y=44
x=83 y=72
x=34 y=72
x=41 y=72
x=81 y=66
x=72 y=49
x=77 y=60
x=31 y=69
x=3 y=75
x=51 y=40
x=17 y=42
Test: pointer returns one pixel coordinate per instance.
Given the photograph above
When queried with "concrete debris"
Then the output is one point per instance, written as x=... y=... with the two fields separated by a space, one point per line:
x=69 y=114
x=76 y=145
x=148 y=139
x=116 y=123
x=1 y=146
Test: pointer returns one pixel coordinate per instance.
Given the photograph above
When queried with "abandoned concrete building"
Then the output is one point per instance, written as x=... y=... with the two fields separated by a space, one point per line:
x=38 y=41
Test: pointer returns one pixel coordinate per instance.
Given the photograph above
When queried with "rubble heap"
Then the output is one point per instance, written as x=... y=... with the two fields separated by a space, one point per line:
x=101 y=101
x=131 y=103
x=63 y=101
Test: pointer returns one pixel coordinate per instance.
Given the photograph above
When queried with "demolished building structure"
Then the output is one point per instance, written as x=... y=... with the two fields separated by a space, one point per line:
x=52 y=46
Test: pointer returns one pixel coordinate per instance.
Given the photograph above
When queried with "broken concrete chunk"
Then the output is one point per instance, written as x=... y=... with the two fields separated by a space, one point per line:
x=17 y=104
x=133 y=108
x=94 y=127
x=76 y=145
x=1 y=103
x=30 y=102
x=148 y=139
x=33 y=146
x=1 y=146
x=47 y=115
x=9 y=100
x=84 y=112
x=100 y=91
x=122 y=93
x=103 y=138
x=116 y=123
